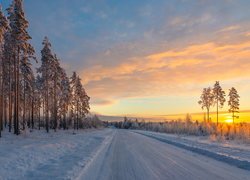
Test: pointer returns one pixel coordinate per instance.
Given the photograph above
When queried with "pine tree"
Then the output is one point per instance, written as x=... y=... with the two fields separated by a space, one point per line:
x=46 y=74
x=233 y=102
x=8 y=68
x=84 y=102
x=28 y=88
x=207 y=100
x=3 y=25
x=38 y=98
x=56 y=78
x=80 y=100
x=21 y=47
x=3 y=29
x=73 y=84
x=219 y=98
x=65 y=99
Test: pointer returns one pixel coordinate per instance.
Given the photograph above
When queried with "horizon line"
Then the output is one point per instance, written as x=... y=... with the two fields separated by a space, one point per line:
x=176 y=114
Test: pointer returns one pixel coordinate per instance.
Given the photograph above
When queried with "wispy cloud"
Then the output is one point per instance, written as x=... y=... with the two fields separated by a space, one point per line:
x=171 y=72
x=102 y=102
x=230 y=28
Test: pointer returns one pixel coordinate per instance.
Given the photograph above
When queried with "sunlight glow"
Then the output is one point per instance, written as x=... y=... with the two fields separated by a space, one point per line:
x=229 y=120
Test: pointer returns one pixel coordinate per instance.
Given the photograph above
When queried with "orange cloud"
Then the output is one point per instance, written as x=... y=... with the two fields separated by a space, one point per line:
x=171 y=72
x=230 y=28
x=102 y=102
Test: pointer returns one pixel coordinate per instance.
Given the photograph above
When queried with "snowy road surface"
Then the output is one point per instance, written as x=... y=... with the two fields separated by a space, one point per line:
x=134 y=156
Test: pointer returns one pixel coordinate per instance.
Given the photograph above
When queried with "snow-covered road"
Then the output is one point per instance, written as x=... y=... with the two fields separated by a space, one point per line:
x=130 y=156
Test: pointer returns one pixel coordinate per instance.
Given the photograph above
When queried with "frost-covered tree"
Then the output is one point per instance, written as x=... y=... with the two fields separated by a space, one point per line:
x=21 y=48
x=3 y=25
x=3 y=29
x=57 y=75
x=83 y=100
x=219 y=97
x=38 y=99
x=65 y=99
x=28 y=86
x=80 y=100
x=78 y=94
x=233 y=102
x=73 y=83
x=207 y=100
x=8 y=68
x=46 y=73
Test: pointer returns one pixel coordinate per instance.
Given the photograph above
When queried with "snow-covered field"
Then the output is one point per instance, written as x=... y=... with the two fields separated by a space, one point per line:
x=108 y=154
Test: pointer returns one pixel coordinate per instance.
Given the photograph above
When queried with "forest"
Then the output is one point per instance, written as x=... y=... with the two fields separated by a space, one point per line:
x=44 y=97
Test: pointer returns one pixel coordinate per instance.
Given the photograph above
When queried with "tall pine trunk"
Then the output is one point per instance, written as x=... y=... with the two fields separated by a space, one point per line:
x=24 y=104
x=208 y=118
x=32 y=111
x=44 y=114
x=77 y=115
x=18 y=92
x=10 y=100
x=55 y=104
x=47 y=102
x=217 y=112
x=5 y=113
x=15 y=96
x=1 y=99
x=233 y=116
x=39 y=118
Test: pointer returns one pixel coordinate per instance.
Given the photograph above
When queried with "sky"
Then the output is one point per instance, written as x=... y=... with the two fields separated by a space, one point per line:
x=147 y=57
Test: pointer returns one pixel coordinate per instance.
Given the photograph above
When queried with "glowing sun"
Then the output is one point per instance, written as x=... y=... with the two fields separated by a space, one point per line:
x=229 y=120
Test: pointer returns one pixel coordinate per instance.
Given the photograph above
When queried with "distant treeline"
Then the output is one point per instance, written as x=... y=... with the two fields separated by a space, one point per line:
x=222 y=131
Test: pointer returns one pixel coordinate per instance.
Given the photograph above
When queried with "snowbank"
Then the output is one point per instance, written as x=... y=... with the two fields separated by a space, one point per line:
x=234 y=155
x=38 y=155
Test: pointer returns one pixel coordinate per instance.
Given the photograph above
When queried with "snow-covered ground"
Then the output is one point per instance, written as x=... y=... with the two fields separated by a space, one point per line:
x=108 y=154
x=38 y=155
x=230 y=152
